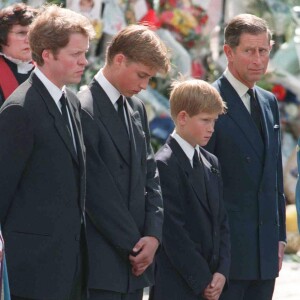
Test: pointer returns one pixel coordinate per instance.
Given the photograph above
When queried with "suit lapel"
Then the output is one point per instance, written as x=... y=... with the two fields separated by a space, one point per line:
x=137 y=140
x=113 y=125
x=267 y=118
x=186 y=166
x=55 y=113
x=239 y=114
x=137 y=133
x=75 y=118
x=211 y=182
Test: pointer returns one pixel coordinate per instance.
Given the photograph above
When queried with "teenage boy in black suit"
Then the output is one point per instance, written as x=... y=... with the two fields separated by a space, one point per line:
x=193 y=262
x=124 y=217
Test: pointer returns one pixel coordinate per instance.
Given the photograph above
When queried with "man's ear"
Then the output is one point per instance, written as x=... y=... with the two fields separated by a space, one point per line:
x=46 y=54
x=228 y=52
x=119 y=58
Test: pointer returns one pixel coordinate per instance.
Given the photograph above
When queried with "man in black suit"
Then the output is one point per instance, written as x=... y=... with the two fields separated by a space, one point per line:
x=193 y=261
x=124 y=217
x=42 y=163
x=248 y=145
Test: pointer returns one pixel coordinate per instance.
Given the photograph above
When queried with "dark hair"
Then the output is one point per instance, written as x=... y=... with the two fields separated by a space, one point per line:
x=17 y=14
x=245 y=23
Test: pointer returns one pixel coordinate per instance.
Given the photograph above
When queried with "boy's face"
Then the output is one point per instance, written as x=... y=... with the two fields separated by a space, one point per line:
x=197 y=130
x=130 y=77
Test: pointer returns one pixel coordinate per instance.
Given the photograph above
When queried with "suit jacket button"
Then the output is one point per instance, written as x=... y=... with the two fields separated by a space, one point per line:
x=248 y=159
x=77 y=237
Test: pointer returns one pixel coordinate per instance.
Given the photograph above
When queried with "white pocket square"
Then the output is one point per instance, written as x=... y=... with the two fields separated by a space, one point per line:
x=276 y=126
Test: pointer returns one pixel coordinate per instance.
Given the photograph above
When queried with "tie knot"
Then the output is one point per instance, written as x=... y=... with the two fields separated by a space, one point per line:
x=250 y=92
x=63 y=100
x=196 y=160
x=120 y=102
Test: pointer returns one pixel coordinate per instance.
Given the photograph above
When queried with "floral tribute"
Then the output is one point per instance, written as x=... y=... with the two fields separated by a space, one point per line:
x=183 y=19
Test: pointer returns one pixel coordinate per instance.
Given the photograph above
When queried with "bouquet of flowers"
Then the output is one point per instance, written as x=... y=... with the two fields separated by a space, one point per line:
x=184 y=20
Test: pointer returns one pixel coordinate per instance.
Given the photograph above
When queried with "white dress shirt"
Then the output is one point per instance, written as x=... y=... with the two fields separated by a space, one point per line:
x=240 y=88
x=112 y=93
x=56 y=94
x=187 y=148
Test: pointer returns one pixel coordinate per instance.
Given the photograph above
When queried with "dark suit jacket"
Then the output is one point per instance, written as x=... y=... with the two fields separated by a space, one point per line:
x=253 y=184
x=42 y=184
x=123 y=194
x=195 y=232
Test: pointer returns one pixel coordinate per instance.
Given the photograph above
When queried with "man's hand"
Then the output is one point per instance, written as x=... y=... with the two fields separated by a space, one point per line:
x=146 y=248
x=214 y=289
x=281 y=247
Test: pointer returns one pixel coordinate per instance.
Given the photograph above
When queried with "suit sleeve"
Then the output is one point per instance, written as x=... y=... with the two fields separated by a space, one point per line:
x=178 y=245
x=224 y=256
x=16 y=144
x=154 y=202
x=104 y=204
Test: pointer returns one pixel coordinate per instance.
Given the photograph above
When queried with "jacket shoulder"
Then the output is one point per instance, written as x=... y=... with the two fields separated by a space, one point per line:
x=210 y=157
x=72 y=98
x=163 y=154
x=86 y=100
x=265 y=92
x=23 y=94
x=136 y=104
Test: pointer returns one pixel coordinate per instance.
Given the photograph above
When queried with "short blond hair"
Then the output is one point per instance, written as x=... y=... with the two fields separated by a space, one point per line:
x=52 y=28
x=140 y=44
x=195 y=96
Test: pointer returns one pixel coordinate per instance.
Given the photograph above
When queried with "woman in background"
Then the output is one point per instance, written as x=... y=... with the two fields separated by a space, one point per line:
x=15 y=55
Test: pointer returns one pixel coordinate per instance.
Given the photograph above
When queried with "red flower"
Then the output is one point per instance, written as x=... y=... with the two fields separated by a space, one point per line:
x=279 y=91
x=151 y=19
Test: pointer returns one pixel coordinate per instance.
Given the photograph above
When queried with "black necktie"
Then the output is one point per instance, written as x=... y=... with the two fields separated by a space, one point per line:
x=255 y=110
x=121 y=111
x=198 y=170
x=63 y=102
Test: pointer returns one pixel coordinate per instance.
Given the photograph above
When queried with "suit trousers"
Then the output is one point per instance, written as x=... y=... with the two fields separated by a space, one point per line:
x=109 y=295
x=249 y=290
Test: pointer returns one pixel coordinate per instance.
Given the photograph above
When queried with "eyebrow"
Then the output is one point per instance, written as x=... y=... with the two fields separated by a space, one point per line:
x=145 y=73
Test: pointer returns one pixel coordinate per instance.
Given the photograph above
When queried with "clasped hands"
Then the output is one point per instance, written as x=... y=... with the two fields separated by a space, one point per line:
x=215 y=287
x=143 y=254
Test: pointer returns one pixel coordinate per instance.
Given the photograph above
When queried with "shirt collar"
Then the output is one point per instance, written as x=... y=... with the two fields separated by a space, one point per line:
x=112 y=93
x=187 y=148
x=53 y=90
x=239 y=87
x=23 y=67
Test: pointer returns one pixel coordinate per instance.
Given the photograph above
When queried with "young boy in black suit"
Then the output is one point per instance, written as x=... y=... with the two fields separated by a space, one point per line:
x=193 y=262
